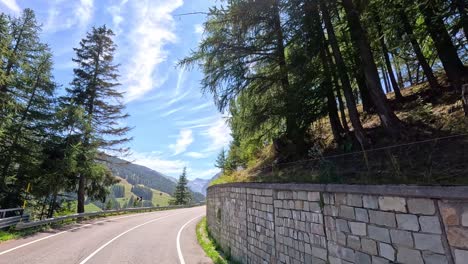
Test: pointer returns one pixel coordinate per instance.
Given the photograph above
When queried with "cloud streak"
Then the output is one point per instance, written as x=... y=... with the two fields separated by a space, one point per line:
x=154 y=161
x=12 y=5
x=78 y=15
x=153 y=29
x=183 y=141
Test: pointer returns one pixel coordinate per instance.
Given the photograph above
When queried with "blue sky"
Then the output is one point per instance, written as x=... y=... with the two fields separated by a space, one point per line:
x=175 y=124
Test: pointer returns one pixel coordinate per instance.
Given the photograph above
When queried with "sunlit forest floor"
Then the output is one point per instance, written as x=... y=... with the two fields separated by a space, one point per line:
x=432 y=148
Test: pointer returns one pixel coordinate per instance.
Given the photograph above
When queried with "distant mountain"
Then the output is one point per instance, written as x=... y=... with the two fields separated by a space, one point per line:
x=198 y=185
x=137 y=174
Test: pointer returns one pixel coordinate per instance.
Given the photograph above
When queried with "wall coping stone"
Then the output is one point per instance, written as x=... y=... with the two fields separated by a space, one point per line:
x=415 y=191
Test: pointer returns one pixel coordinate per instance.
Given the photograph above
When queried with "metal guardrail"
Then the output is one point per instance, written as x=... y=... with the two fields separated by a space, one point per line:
x=11 y=221
x=24 y=225
x=3 y=212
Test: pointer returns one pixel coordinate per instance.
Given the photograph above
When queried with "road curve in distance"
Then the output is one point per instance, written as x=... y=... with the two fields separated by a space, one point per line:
x=138 y=238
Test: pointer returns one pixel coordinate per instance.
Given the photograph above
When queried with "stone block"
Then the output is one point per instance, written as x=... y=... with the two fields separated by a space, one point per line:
x=370 y=201
x=362 y=258
x=358 y=228
x=313 y=196
x=341 y=238
x=334 y=260
x=301 y=195
x=379 y=260
x=354 y=200
x=387 y=203
x=278 y=203
x=458 y=237
x=330 y=210
x=428 y=242
x=317 y=229
x=465 y=218
x=409 y=256
x=346 y=254
x=347 y=212
x=314 y=207
x=432 y=258
x=342 y=225
x=386 y=251
x=320 y=253
x=407 y=222
x=382 y=218
x=402 y=238
x=449 y=214
x=379 y=233
x=361 y=215
x=461 y=256
x=421 y=206
x=369 y=246
x=340 y=198
x=430 y=224
x=353 y=242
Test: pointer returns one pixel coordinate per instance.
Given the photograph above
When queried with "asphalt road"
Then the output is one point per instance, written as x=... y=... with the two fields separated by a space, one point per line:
x=157 y=237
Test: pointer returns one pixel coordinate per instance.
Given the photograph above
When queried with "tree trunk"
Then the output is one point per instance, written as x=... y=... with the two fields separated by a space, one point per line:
x=293 y=131
x=388 y=63
x=338 y=95
x=454 y=68
x=401 y=83
x=337 y=129
x=409 y=74
x=418 y=81
x=346 y=84
x=465 y=98
x=389 y=120
x=385 y=79
x=81 y=193
x=417 y=50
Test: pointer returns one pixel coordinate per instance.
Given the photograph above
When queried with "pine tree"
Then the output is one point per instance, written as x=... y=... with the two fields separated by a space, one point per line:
x=182 y=194
x=93 y=90
x=221 y=161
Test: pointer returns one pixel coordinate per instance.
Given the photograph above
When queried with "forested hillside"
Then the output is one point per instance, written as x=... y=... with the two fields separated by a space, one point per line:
x=137 y=174
x=301 y=80
x=141 y=175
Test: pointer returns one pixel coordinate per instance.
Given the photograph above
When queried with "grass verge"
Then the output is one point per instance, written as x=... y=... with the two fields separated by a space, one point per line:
x=210 y=246
x=6 y=235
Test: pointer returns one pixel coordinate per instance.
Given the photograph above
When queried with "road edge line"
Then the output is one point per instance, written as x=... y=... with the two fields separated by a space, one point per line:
x=123 y=233
x=179 y=251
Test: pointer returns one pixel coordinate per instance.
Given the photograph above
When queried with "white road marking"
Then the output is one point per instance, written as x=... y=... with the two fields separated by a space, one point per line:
x=129 y=230
x=69 y=230
x=179 y=251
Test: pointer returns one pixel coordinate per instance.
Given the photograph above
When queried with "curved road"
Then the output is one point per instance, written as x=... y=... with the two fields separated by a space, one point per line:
x=156 y=237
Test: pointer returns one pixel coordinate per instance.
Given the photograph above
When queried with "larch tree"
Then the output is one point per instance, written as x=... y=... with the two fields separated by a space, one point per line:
x=93 y=90
x=389 y=120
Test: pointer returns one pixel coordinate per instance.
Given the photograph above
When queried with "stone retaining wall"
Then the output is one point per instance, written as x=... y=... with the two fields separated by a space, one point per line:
x=306 y=223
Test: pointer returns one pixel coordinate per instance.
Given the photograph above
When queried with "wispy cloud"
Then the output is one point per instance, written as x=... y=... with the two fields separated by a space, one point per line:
x=199 y=122
x=117 y=16
x=154 y=161
x=172 y=111
x=198 y=29
x=196 y=155
x=152 y=31
x=62 y=16
x=183 y=141
x=219 y=135
x=12 y=5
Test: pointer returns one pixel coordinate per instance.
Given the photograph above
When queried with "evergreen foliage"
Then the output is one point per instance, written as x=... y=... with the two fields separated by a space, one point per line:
x=279 y=67
x=182 y=194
